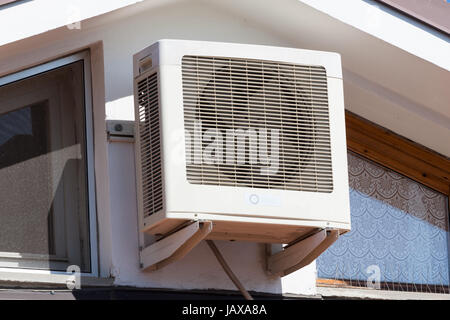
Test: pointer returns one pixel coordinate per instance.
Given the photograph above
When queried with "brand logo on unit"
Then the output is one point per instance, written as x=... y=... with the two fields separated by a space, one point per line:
x=254 y=199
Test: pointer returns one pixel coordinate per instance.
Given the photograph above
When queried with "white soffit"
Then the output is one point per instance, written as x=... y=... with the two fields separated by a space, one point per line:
x=404 y=90
x=24 y=19
x=390 y=26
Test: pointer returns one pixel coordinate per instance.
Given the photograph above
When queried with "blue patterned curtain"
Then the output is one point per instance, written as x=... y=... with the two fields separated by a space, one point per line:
x=398 y=225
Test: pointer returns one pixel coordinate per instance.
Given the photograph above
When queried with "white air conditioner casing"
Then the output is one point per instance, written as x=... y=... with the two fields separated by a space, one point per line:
x=224 y=79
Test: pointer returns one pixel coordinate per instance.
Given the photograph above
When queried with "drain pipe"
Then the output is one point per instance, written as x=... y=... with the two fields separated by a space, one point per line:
x=228 y=270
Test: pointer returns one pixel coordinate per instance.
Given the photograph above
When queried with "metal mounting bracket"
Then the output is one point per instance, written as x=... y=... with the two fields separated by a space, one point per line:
x=120 y=131
x=300 y=253
x=175 y=246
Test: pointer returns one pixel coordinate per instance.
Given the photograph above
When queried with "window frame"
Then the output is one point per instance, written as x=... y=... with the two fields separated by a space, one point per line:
x=89 y=131
x=399 y=154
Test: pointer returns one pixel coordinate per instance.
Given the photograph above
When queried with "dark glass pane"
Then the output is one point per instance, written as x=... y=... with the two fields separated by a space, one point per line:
x=43 y=175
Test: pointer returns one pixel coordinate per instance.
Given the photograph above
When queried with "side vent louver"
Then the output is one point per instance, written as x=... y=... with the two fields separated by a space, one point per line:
x=150 y=144
x=230 y=94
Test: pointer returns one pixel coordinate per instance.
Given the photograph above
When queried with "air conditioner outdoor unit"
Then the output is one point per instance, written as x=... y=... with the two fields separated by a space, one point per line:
x=249 y=139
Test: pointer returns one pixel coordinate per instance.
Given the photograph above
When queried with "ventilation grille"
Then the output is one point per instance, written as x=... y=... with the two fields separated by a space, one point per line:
x=289 y=101
x=150 y=144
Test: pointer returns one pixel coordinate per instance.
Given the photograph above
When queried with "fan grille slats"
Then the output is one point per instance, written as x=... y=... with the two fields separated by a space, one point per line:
x=224 y=94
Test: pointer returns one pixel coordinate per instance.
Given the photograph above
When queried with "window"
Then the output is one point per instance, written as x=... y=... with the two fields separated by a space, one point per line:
x=399 y=215
x=46 y=195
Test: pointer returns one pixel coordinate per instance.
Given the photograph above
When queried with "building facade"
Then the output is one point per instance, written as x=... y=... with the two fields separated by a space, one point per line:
x=66 y=79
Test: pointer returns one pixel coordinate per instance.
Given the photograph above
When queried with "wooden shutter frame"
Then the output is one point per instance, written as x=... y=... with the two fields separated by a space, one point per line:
x=397 y=153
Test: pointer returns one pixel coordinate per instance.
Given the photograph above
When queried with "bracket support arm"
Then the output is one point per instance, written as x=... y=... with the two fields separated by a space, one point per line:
x=175 y=246
x=301 y=253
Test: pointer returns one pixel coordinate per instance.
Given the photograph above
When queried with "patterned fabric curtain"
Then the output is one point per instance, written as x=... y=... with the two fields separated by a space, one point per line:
x=399 y=227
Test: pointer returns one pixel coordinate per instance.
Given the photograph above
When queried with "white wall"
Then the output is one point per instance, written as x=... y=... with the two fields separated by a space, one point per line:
x=122 y=36
x=199 y=269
